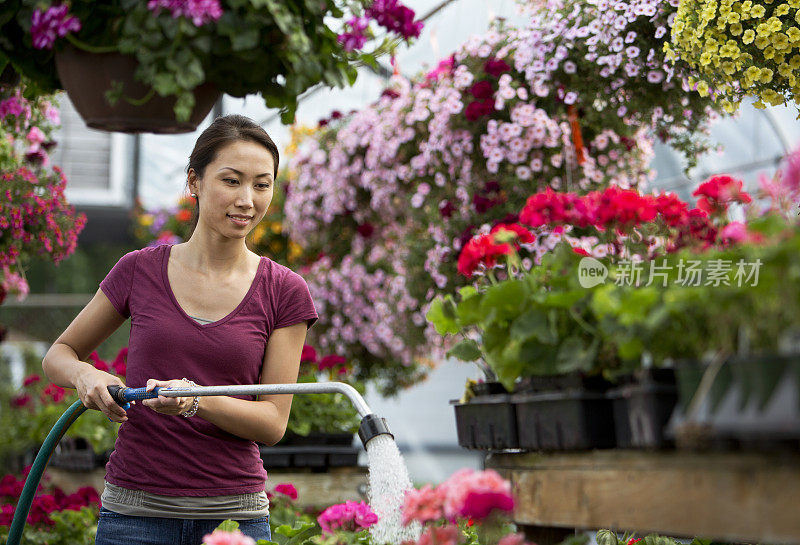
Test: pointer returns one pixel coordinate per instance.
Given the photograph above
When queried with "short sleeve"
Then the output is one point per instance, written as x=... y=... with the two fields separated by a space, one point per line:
x=117 y=283
x=295 y=304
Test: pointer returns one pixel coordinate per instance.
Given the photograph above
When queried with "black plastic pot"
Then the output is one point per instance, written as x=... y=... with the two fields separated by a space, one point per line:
x=643 y=406
x=564 y=420
x=314 y=457
x=317 y=438
x=486 y=422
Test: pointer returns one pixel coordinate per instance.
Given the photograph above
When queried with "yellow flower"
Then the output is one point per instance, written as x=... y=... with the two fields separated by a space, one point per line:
x=146 y=219
x=780 y=40
x=797 y=16
x=748 y=36
x=736 y=29
x=783 y=9
x=779 y=58
x=794 y=34
x=775 y=24
x=702 y=89
x=728 y=106
x=762 y=42
x=275 y=227
x=758 y=105
x=747 y=5
x=729 y=68
x=772 y=97
x=705 y=59
x=763 y=29
x=784 y=70
x=766 y=75
x=733 y=18
x=758 y=11
x=753 y=72
x=794 y=62
x=769 y=53
x=794 y=3
x=294 y=250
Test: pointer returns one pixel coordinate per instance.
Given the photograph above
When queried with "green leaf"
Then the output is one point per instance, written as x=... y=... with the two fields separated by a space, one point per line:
x=534 y=324
x=248 y=39
x=468 y=310
x=504 y=301
x=300 y=526
x=228 y=525
x=573 y=355
x=442 y=316
x=466 y=350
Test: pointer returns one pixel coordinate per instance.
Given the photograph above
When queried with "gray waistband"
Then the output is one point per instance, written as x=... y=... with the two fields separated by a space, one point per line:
x=144 y=504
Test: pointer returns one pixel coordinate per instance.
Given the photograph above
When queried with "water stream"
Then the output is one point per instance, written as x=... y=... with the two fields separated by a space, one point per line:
x=388 y=483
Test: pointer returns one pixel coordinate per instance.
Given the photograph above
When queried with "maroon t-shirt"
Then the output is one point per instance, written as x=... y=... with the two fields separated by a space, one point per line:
x=173 y=455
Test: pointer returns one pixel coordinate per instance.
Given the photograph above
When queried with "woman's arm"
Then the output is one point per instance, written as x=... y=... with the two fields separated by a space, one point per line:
x=263 y=420
x=63 y=363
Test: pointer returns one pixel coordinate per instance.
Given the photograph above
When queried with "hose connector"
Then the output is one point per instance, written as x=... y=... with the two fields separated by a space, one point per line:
x=372 y=425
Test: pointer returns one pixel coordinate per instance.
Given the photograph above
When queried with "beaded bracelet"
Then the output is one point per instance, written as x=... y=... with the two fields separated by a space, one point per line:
x=195 y=402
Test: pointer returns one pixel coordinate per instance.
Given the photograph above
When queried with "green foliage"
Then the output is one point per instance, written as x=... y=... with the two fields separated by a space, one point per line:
x=538 y=324
x=330 y=413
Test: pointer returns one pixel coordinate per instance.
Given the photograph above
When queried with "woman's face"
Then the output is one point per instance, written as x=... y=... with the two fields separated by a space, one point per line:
x=236 y=188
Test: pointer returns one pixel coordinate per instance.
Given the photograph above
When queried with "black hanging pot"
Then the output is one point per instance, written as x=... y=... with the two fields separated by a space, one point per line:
x=87 y=76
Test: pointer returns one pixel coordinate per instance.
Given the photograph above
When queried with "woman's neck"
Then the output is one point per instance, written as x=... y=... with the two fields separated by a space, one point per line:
x=213 y=257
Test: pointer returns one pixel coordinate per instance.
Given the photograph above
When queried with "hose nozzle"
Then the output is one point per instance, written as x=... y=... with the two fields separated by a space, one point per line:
x=372 y=425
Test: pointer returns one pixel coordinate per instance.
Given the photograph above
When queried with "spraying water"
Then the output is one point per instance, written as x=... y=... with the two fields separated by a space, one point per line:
x=388 y=483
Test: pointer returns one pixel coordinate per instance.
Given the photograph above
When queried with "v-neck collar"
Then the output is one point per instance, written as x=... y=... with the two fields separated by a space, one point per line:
x=168 y=288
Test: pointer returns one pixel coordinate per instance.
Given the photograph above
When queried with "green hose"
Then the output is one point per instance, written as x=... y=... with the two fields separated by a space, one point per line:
x=37 y=470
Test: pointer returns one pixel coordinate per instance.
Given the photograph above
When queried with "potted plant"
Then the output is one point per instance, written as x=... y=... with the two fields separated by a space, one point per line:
x=320 y=430
x=159 y=66
x=738 y=51
x=36 y=222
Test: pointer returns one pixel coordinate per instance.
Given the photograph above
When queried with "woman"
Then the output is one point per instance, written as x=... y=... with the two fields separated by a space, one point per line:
x=207 y=311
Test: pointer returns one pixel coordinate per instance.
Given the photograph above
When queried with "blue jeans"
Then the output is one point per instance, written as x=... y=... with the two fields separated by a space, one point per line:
x=116 y=529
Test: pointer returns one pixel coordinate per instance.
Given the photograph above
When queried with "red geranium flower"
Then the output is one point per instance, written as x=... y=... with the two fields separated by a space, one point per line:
x=31 y=379
x=481 y=90
x=329 y=362
x=287 y=489
x=718 y=192
x=309 y=354
x=120 y=363
x=56 y=393
x=481 y=250
x=97 y=362
x=523 y=236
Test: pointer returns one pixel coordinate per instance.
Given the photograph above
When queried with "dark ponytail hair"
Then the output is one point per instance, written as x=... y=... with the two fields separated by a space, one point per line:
x=223 y=131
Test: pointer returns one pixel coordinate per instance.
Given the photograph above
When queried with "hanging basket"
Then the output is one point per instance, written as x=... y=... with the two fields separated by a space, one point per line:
x=87 y=76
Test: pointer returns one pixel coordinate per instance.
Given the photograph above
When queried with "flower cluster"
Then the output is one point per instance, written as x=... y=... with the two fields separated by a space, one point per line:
x=47 y=25
x=35 y=217
x=350 y=516
x=475 y=499
x=390 y=14
x=199 y=12
x=718 y=193
x=228 y=537
x=44 y=504
x=740 y=49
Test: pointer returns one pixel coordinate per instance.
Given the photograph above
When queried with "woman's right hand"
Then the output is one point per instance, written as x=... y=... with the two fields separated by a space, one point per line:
x=92 y=386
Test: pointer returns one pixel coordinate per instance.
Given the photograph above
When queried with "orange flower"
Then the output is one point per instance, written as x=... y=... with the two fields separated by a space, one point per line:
x=184 y=215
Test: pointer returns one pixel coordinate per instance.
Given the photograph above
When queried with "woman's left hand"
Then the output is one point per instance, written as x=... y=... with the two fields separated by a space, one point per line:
x=168 y=405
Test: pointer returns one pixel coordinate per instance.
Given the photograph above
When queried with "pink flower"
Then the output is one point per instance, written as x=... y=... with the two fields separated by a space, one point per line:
x=36 y=136
x=309 y=354
x=47 y=25
x=56 y=393
x=512 y=539
x=329 y=362
x=355 y=38
x=436 y=535
x=349 y=516
x=395 y=17
x=287 y=489
x=31 y=379
x=7 y=515
x=471 y=493
x=219 y=537
x=20 y=400
x=97 y=362
x=199 y=11
x=735 y=231
x=120 y=363
x=424 y=505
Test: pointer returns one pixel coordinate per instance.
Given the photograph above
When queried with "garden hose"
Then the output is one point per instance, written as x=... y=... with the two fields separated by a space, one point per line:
x=371 y=425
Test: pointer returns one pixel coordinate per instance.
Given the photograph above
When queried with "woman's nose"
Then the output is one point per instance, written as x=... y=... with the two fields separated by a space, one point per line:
x=245 y=196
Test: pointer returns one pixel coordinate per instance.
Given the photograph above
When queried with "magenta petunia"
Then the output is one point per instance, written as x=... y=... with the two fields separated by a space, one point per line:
x=48 y=25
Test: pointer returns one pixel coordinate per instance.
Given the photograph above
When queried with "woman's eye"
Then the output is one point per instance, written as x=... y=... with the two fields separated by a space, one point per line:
x=231 y=180
x=263 y=186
